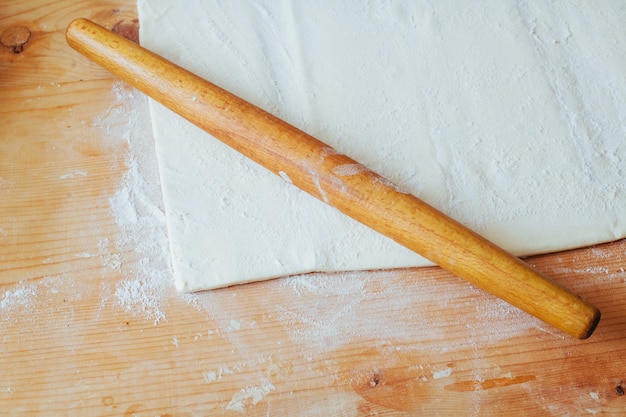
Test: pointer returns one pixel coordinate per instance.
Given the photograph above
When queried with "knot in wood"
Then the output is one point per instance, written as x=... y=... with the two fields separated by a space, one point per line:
x=128 y=29
x=15 y=38
x=374 y=380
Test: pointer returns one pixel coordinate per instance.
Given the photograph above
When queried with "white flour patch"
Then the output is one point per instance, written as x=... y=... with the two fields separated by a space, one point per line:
x=355 y=306
x=444 y=373
x=142 y=296
x=497 y=320
x=329 y=323
x=221 y=372
x=209 y=376
x=111 y=261
x=73 y=174
x=137 y=209
x=251 y=395
x=4 y=185
x=601 y=253
x=346 y=309
x=17 y=299
x=69 y=286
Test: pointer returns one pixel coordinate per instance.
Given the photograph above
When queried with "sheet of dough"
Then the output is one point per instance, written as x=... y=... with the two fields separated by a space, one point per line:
x=508 y=116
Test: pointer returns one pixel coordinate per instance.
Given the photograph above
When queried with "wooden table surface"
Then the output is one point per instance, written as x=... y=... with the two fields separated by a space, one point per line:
x=91 y=324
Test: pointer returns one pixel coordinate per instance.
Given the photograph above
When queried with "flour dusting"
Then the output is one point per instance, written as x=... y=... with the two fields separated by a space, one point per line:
x=496 y=321
x=355 y=305
x=74 y=174
x=18 y=298
x=251 y=395
x=136 y=209
x=142 y=296
x=209 y=376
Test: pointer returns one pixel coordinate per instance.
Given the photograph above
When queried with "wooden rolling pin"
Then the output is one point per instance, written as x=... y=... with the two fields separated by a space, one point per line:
x=336 y=179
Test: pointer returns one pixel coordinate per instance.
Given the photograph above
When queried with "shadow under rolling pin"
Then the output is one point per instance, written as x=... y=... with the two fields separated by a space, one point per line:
x=310 y=164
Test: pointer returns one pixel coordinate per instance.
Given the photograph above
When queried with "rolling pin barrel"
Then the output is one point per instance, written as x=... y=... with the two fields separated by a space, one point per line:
x=336 y=179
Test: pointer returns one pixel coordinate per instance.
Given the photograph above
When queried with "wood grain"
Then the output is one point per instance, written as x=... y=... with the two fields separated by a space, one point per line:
x=56 y=167
x=387 y=343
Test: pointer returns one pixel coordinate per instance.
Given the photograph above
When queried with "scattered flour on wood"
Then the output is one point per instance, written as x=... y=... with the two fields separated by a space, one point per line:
x=5 y=185
x=17 y=299
x=250 y=395
x=209 y=376
x=137 y=209
x=27 y=300
x=496 y=321
x=349 y=308
x=443 y=373
x=74 y=174
x=600 y=253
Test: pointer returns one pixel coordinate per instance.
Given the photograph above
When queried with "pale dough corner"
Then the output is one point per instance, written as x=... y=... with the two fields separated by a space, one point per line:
x=507 y=116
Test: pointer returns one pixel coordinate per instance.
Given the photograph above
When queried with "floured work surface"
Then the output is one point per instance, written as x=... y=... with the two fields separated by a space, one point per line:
x=507 y=117
x=90 y=322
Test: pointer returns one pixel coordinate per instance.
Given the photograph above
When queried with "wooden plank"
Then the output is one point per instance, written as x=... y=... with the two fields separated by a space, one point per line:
x=91 y=324
x=58 y=167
